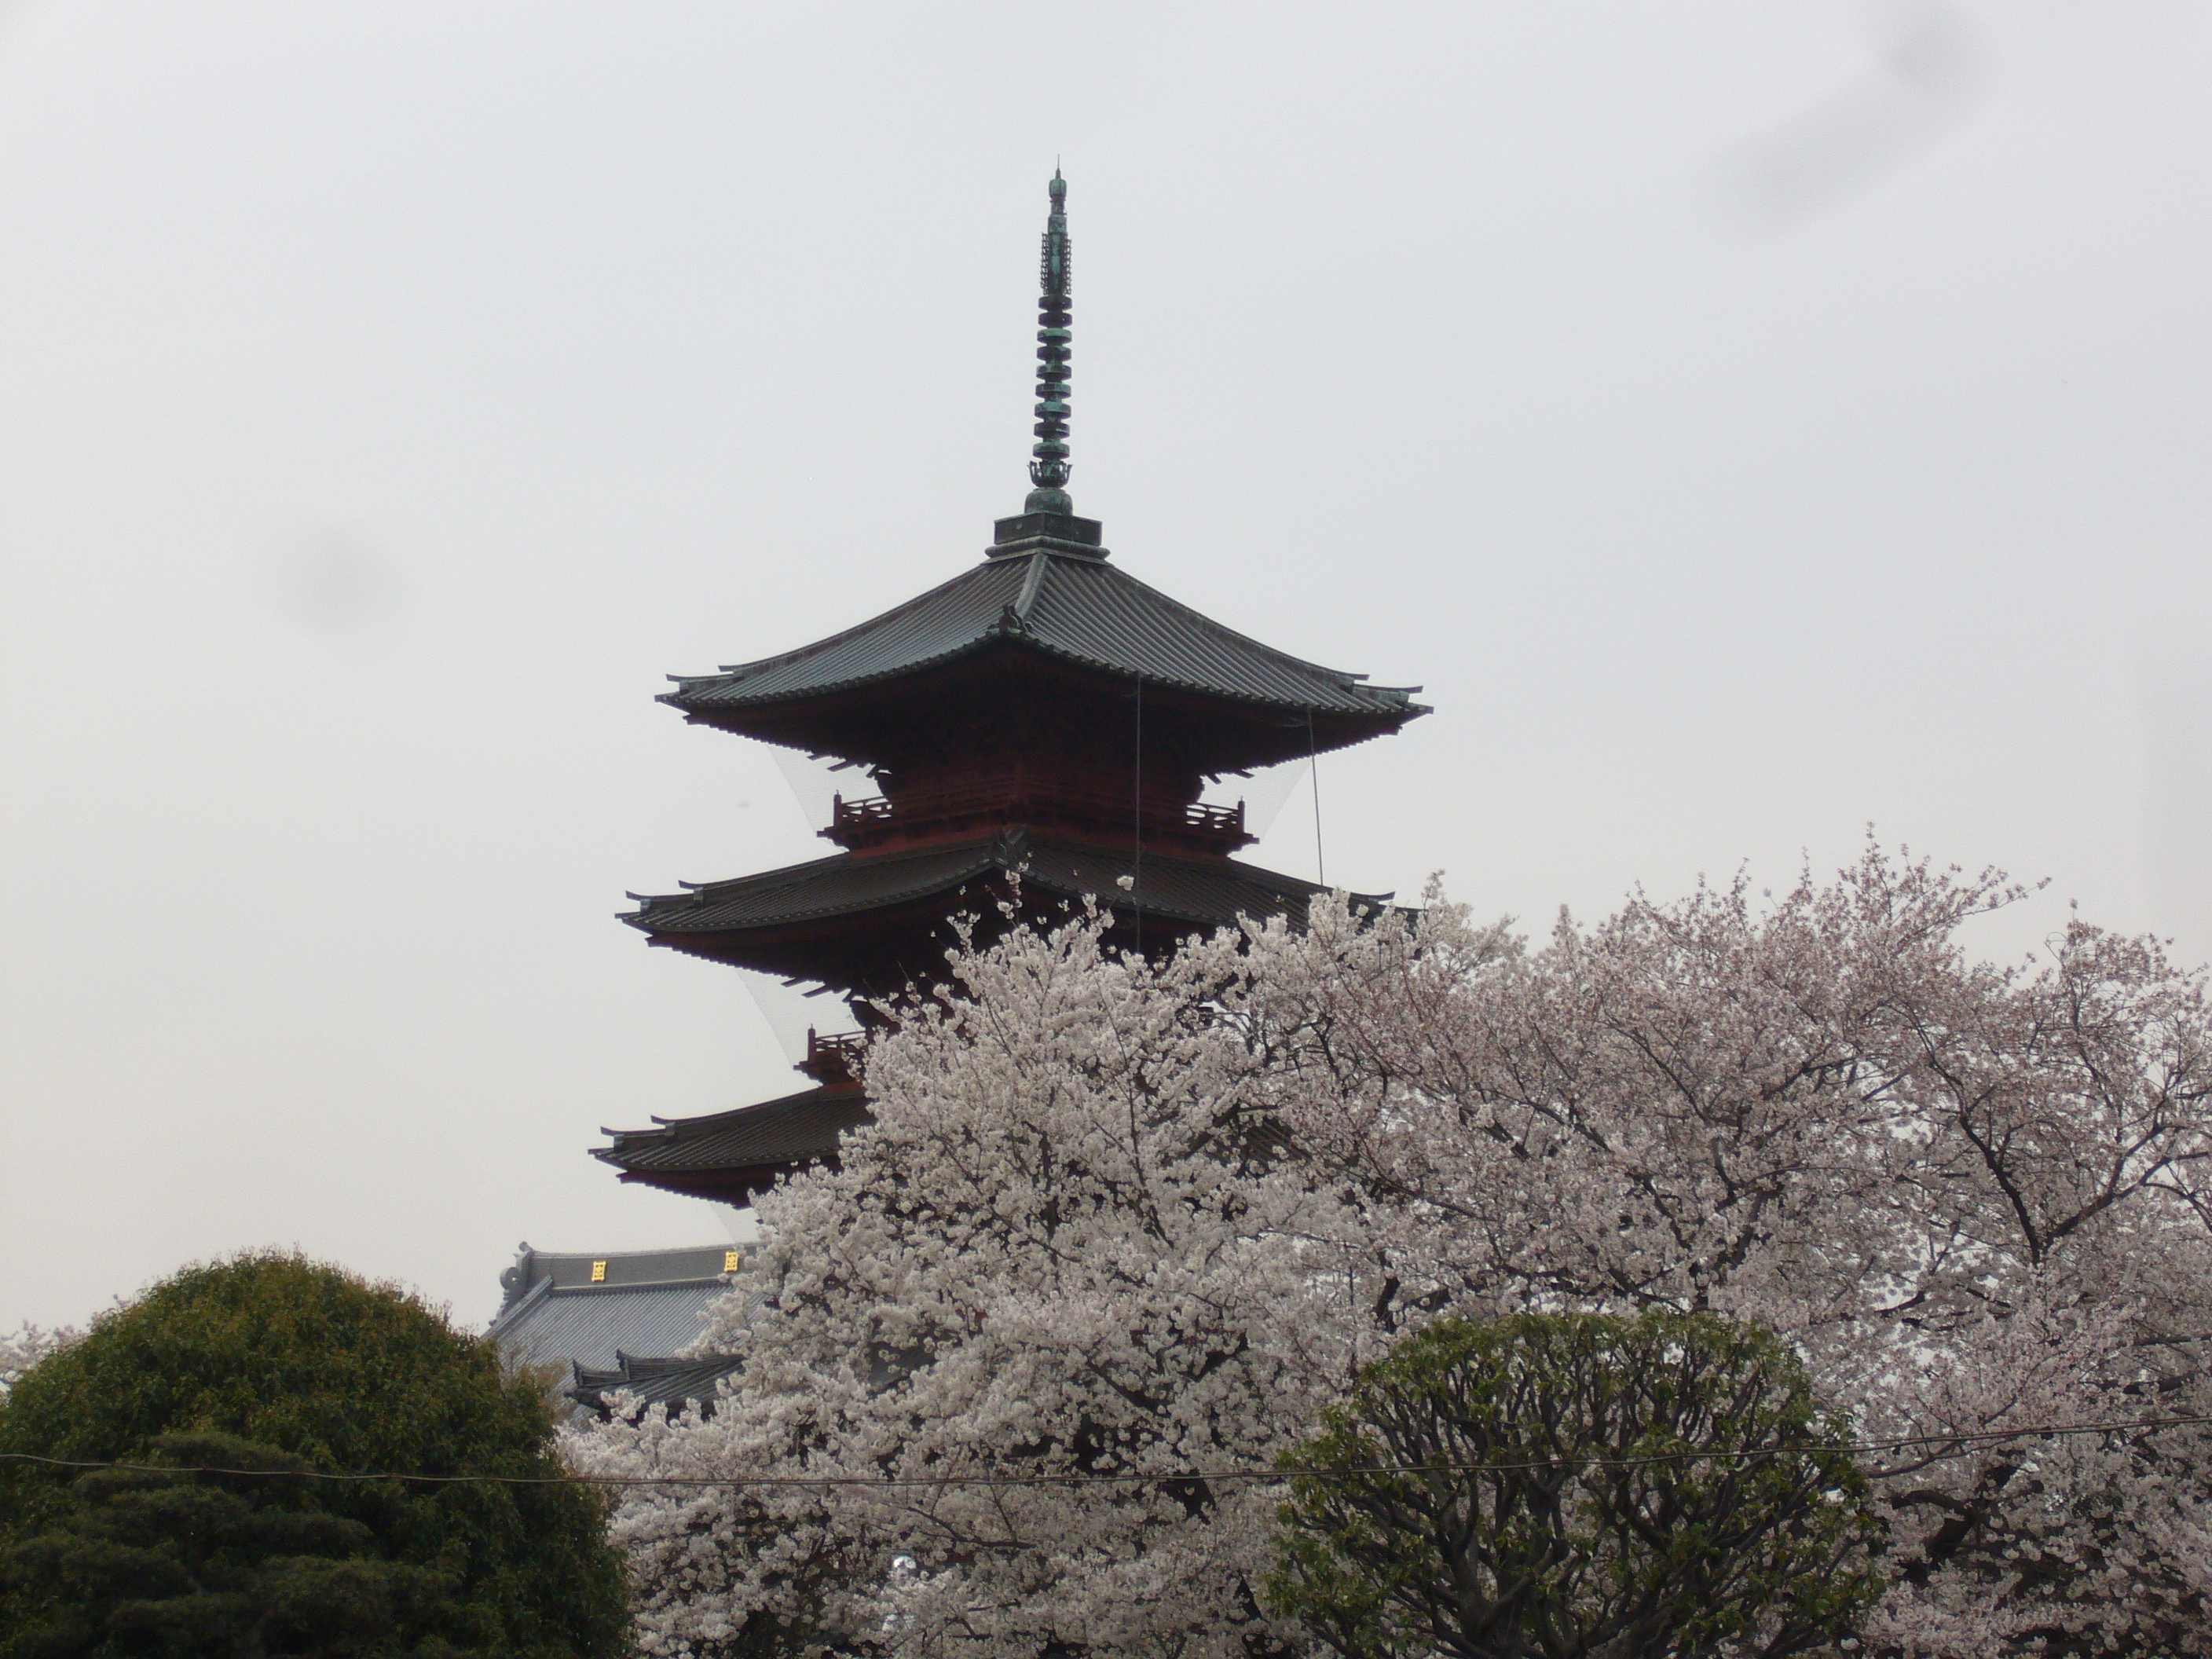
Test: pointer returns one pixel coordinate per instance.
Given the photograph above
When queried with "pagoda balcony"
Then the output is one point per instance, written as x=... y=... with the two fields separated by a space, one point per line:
x=932 y=811
x=834 y=1059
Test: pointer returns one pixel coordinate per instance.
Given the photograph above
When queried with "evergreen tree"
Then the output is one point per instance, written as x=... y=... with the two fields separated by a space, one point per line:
x=283 y=1371
x=1575 y=1486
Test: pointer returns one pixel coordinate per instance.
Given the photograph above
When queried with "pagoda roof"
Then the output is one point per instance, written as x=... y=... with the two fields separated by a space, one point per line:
x=1064 y=604
x=732 y=1156
x=773 y=1134
x=1205 y=892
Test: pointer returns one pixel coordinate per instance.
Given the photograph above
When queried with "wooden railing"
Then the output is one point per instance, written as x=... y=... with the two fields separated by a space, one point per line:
x=1050 y=799
x=842 y=1044
x=830 y=1059
x=851 y=814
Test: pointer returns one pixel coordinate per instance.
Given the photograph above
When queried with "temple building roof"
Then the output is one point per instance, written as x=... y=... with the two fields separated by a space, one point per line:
x=561 y=1311
x=1045 y=588
x=1062 y=604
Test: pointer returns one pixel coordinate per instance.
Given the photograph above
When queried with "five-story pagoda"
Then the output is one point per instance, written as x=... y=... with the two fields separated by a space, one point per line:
x=1041 y=714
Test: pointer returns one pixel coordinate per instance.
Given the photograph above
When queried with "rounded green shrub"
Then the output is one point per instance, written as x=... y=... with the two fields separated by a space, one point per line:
x=274 y=1364
x=1568 y=1485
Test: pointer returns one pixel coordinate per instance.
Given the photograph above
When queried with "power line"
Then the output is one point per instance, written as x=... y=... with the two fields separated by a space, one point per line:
x=1984 y=1437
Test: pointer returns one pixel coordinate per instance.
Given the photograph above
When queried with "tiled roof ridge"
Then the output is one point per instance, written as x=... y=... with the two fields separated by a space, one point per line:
x=659 y=1251
x=756 y=1137
x=516 y=1308
x=537 y=1276
x=652 y=1380
x=1004 y=848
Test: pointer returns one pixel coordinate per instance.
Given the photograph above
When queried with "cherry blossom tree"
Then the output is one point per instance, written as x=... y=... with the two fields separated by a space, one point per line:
x=1973 y=1198
x=1144 y=1221
x=1068 y=1247
x=24 y=1348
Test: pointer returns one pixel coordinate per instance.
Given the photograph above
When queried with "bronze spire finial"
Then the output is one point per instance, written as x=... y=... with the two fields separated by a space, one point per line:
x=1049 y=470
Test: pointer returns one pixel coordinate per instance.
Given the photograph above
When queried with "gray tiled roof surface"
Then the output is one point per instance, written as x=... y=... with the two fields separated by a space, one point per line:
x=1211 y=892
x=1078 y=608
x=590 y=1325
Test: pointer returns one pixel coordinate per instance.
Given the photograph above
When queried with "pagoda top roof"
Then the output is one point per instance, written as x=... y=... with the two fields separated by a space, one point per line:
x=1065 y=604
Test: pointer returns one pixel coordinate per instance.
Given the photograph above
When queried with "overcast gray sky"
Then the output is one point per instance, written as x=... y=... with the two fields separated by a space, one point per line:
x=1749 y=422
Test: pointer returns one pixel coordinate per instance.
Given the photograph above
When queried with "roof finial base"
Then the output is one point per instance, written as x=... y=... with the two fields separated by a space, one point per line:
x=1047 y=527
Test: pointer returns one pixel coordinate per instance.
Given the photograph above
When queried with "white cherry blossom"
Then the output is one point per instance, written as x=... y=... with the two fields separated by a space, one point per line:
x=1130 y=1221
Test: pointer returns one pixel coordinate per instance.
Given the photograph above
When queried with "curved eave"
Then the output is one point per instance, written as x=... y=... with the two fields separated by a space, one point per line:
x=733 y=1154
x=733 y=671
x=1044 y=618
x=1187 y=892
x=1385 y=707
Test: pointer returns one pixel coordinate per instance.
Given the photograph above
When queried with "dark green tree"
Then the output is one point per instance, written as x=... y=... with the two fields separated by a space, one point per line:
x=285 y=1369
x=141 y=1562
x=1569 y=1487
